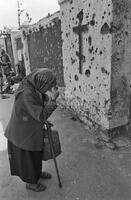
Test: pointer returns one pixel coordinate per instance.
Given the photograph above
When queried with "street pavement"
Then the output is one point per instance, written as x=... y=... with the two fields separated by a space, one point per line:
x=87 y=172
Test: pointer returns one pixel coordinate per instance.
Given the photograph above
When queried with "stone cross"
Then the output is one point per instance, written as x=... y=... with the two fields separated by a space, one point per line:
x=79 y=29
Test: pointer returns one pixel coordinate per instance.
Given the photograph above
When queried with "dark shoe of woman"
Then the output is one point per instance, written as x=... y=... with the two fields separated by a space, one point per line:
x=45 y=175
x=35 y=187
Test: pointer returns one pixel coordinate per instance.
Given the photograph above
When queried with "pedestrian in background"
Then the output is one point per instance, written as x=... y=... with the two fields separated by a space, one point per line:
x=25 y=128
x=5 y=62
x=2 y=83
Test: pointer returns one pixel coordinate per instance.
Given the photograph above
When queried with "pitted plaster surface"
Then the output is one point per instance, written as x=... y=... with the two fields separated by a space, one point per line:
x=121 y=62
x=88 y=93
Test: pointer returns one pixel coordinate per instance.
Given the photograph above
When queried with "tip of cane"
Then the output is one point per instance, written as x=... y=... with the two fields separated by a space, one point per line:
x=60 y=185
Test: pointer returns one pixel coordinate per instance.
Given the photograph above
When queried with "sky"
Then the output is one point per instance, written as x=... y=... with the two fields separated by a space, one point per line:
x=37 y=9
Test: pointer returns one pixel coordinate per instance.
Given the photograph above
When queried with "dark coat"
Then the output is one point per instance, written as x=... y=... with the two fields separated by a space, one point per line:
x=25 y=128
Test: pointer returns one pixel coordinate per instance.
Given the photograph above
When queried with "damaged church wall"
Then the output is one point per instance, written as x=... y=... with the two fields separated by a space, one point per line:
x=88 y=92
x=97 y=32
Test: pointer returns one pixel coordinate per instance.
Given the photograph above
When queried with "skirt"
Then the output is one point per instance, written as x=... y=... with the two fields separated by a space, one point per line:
x=25 y=164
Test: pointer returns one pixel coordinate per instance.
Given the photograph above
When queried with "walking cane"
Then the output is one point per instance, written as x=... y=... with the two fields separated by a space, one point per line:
x=48 y=124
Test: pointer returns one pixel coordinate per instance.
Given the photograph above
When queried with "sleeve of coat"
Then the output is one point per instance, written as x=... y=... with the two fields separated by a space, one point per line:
x=35 y=108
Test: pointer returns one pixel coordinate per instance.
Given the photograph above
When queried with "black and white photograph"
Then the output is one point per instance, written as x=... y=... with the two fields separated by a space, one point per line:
x=65 y=99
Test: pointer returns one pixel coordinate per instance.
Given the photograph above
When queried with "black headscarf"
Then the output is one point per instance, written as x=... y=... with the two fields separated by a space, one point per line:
x=41 y=80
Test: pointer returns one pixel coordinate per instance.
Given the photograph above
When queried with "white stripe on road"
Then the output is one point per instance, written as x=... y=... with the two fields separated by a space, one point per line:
x=3 y=141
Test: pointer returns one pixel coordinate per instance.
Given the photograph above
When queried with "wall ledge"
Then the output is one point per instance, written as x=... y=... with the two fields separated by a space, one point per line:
x=62 y=1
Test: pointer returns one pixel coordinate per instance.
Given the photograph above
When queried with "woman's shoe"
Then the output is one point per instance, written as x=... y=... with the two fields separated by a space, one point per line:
x=35 y=187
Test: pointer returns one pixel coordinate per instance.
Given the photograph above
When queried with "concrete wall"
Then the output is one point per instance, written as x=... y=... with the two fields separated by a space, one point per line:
x=45 y=21
x=101 y=92
x=87 y=93
x=120 y=29
x=25 y=49
x=14 y=36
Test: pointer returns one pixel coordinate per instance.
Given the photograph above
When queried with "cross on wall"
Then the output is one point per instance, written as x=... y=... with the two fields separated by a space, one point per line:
x=79 y=30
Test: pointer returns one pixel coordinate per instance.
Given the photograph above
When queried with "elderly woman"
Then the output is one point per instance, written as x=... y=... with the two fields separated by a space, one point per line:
x=25 y=128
